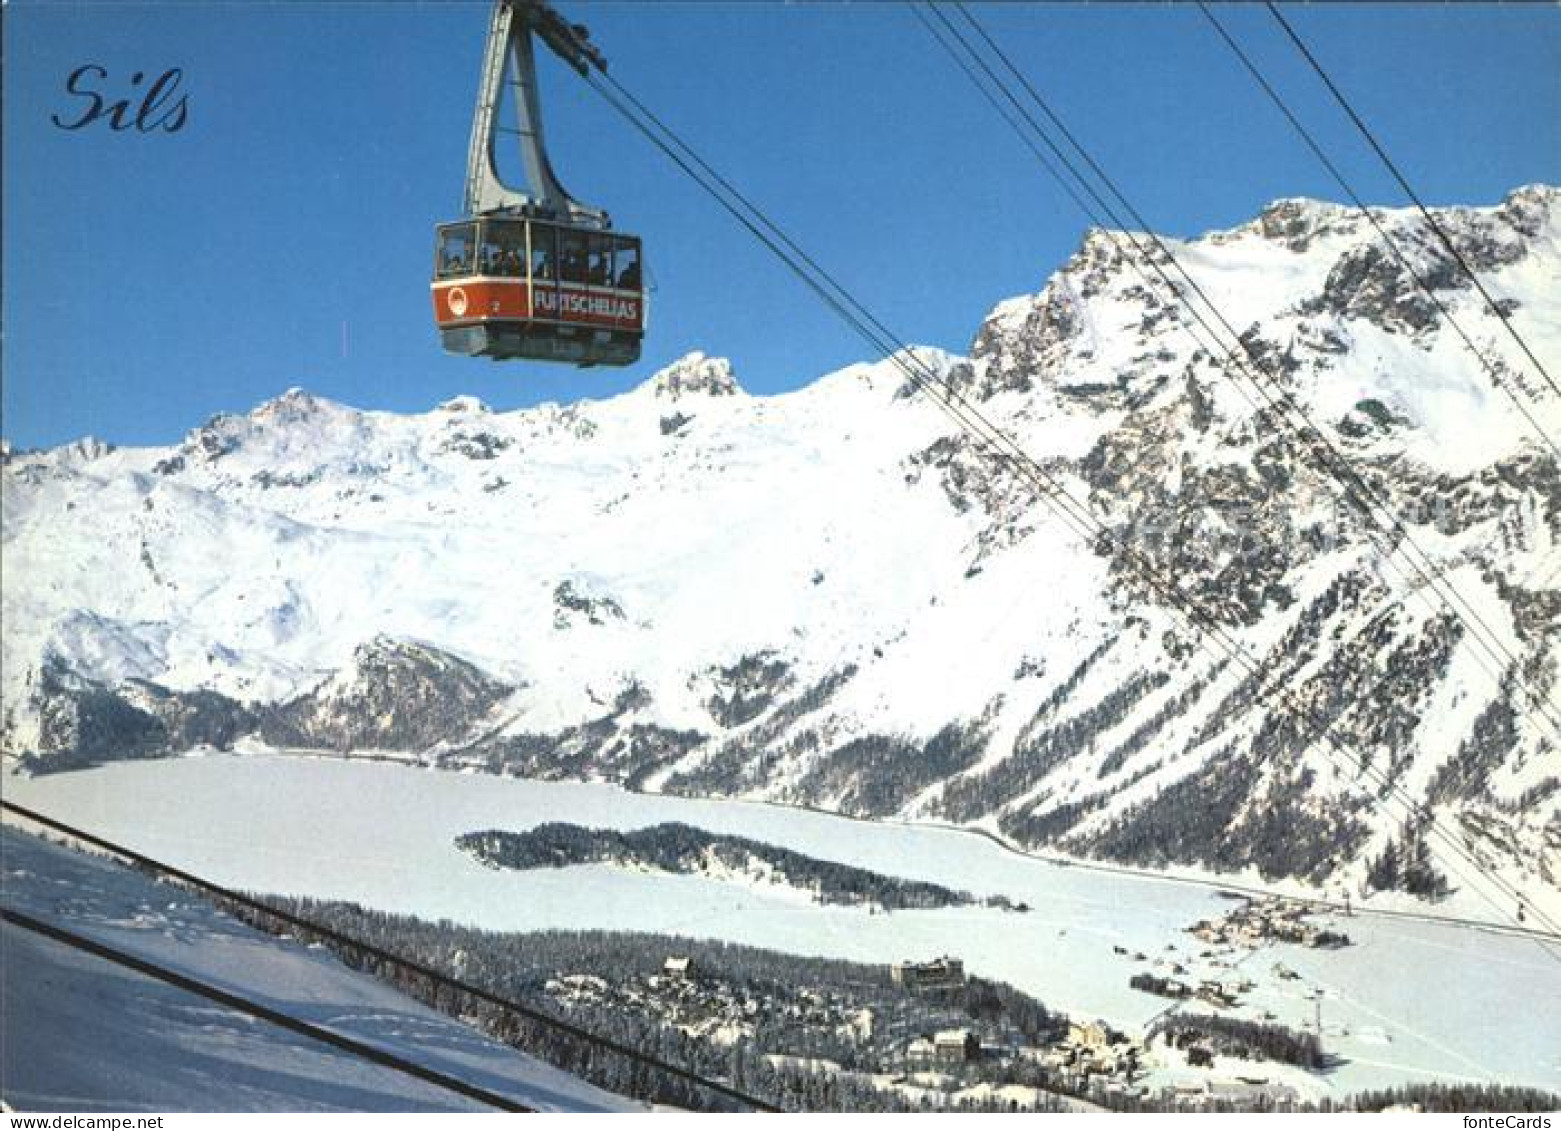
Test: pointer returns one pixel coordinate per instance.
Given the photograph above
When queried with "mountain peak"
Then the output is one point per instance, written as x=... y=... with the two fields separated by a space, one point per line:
x=781 y=580
x=86 y=449
x=694 y=373
x=1296 y=220
x=464 y=404
x=1530 y=208
x=295 y=406
x=1541 y=195
x=75 y=453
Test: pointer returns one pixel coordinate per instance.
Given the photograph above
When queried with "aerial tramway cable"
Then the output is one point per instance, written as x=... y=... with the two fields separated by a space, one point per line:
x=389 y=957
x=1414 y=807
x=1315 y=443
x=948 y=399
x=1430 y=220
x=1387 y=238
x=251 y=1008
x=1149 y=258
x=1428 y=573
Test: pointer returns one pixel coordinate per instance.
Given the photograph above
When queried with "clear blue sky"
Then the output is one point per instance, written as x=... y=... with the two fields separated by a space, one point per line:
x=283 y=237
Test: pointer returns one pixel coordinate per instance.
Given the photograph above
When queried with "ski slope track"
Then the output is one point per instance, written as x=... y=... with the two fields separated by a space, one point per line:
x=833 y=598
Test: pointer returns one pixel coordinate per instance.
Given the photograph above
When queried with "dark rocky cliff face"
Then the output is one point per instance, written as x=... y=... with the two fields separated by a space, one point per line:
x=86 y=721
x=1393 y=628
x=395 y=695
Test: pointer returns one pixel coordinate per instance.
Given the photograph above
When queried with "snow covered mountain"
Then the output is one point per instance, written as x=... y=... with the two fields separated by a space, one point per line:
x=834 y=597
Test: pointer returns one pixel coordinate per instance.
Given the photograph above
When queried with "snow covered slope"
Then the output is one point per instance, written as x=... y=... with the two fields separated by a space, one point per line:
x=80 y=1034
x=833 y=598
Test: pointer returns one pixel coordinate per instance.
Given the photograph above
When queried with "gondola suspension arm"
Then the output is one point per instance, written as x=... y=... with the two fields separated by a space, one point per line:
x=509 y=51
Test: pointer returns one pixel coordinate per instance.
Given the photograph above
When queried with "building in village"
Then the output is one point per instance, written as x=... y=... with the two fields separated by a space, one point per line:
x=955 y=1047
x=941 y=974
x=943 y=1051
x=1089 y=1034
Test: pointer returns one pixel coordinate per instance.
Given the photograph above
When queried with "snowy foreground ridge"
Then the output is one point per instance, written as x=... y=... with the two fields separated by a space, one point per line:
x=832 y=598
x=82 y=1034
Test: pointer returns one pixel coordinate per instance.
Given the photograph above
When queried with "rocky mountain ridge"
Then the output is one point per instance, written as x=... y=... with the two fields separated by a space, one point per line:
x=835 y=598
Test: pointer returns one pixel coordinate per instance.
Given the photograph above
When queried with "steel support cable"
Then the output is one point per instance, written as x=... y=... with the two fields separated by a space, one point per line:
x=1327 y=457
x=1052 y=492
x=808 y=270
x=1414 y=807
x=818 y=280
x=1059 y=501
x=388 y=957
x=802 y=266
x=838 y=298
x=965 y=415
x=1435 y=830
x=1430 y=220
x=1355 y=489
x=1360 y=206
x=1191 y=329
x=251 y=1008
x=1106 y=228
x=945 y=396
x=1386 y=551
x=1007 y=115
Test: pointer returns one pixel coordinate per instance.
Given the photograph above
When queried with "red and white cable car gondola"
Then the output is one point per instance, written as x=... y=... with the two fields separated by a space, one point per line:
x=533 y=274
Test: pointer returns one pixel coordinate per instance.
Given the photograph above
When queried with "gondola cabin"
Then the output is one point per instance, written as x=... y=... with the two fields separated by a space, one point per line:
x=525 y=288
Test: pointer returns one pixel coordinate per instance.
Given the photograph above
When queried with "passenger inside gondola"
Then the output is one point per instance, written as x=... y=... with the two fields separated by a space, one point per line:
x=455 y=252
x=628 y=267
x=572 y=253
x=599 y=271
x=502 y=245
x=543 y=267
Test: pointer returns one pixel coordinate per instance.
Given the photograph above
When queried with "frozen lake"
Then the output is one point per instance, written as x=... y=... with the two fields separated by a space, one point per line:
x=1407 y=1001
